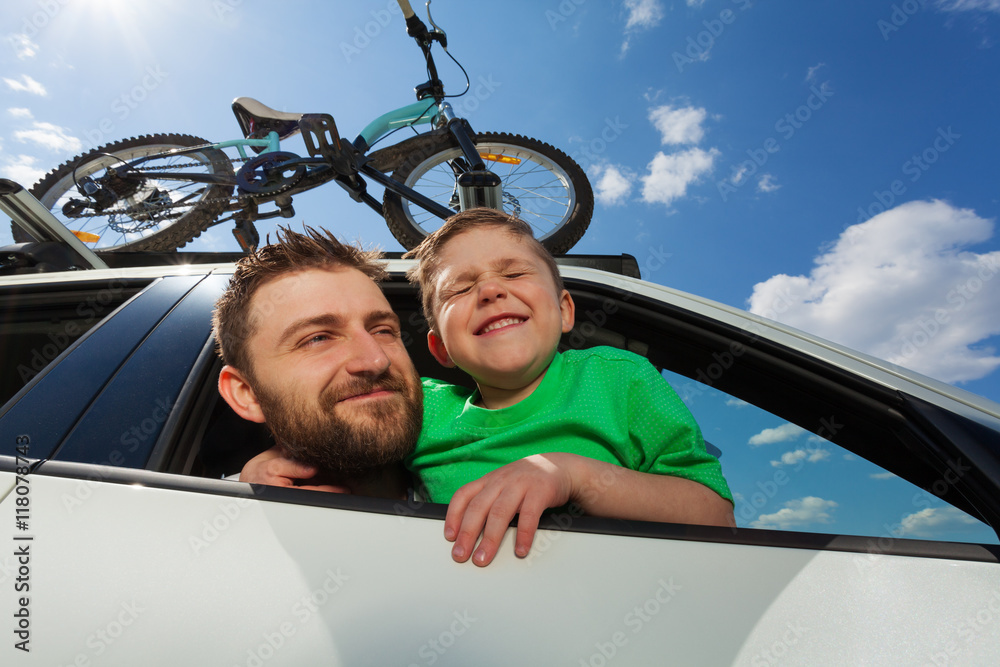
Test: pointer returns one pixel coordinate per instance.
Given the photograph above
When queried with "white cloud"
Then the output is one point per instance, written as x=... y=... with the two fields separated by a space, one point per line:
x=770 y=436
x=811 y=72
x=21 y=169
x=969 y=5
x=767 y=184
x=24 y=48
x=27 y=85
x=695 y=3
x=883 y=475
x=797 y=513
x=50 y=136
x=678 y=125
x=670 y=175
x=612 y=184
x=736 y=403
x=20 y=112
x=934 y=522
x=738 y=174
x=799 y=455
x=642 y=15
x=901 y=286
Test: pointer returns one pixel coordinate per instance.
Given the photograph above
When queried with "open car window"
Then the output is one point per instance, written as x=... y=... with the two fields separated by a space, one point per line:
x=784 y=477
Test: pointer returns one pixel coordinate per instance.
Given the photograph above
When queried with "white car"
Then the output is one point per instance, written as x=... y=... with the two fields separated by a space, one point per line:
x=123 y=545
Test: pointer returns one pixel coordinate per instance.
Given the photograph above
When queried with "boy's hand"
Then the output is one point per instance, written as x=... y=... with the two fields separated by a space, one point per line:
x=273 y=468
x=486 y=506
x=533 y=484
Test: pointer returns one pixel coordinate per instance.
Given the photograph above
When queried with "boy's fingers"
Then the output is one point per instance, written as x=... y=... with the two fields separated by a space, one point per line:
x=472 y=523
x=527 y=524
x=457 y=507
x=498 y=520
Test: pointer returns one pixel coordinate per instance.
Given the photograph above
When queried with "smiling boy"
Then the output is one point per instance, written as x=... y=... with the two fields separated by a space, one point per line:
x=496 y=307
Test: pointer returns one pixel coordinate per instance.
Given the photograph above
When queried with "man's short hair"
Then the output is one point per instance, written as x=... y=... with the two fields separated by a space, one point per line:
x=232 y=322
x=429 y=251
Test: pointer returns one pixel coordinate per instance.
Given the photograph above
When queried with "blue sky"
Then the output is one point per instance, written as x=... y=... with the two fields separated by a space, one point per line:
x=828 y=164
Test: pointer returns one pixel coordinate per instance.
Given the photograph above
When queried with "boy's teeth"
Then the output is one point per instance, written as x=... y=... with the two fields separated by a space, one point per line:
x=499 y=324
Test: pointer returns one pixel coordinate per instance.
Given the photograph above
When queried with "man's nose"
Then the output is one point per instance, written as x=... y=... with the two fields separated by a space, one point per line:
x=367 y=356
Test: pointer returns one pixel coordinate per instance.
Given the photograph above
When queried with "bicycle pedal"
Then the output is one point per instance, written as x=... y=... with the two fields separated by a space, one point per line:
x=319 y=132
x=246 y=235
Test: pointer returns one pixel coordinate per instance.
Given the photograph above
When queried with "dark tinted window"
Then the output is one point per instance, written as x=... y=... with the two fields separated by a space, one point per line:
x=39 y=322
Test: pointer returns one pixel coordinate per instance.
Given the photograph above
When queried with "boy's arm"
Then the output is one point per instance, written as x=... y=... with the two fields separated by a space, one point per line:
x=531 y=485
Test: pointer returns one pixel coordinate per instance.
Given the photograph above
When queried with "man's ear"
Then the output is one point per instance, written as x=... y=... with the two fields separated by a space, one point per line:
x=567 y=311
x=438 y=351
x=239 y=395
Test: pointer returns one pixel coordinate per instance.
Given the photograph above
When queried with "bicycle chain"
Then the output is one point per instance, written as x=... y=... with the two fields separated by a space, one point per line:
x=164 y=207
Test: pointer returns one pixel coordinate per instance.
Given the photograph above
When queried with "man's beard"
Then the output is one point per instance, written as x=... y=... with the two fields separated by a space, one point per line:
x=372 y=434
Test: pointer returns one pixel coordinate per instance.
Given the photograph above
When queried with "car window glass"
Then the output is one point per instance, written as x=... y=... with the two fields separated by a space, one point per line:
x=38 y=324
x=784 y=477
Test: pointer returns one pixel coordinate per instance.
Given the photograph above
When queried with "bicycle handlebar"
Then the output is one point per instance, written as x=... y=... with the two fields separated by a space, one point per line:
x=407 y=10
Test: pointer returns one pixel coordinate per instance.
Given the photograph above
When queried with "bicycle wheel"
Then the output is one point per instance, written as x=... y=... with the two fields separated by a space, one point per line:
x=148 y=213
x=541 y=185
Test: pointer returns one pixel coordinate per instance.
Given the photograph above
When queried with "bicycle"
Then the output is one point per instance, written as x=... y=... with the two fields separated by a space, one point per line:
x=158 y=192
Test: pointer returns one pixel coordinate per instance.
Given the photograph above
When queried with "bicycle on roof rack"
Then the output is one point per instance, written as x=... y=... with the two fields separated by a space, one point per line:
x=157 y=192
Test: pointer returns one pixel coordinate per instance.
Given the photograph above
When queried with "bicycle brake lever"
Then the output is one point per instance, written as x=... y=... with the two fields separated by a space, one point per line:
x=437 y=33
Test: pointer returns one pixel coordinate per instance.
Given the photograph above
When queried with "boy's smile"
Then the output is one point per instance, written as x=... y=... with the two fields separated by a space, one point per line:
x=499 y=317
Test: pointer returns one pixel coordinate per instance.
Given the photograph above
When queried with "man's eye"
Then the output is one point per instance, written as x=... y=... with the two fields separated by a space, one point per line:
x=386 y=331
x=315 y=339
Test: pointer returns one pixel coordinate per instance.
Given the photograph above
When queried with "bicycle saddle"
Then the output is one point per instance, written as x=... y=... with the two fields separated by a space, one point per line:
x=257 y=119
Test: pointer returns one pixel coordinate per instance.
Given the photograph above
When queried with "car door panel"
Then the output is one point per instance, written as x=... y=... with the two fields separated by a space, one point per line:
x=285 y=583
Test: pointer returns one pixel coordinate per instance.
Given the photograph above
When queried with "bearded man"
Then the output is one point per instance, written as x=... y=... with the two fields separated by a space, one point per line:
x=312 y=349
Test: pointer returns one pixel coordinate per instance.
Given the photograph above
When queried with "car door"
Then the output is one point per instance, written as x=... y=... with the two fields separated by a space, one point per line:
x=175 y=567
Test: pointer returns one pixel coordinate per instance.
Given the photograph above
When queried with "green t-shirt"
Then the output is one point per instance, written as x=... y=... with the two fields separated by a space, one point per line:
x=603 y=403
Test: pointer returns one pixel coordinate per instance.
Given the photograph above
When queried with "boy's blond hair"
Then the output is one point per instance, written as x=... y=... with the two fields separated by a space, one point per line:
x=429 y=251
